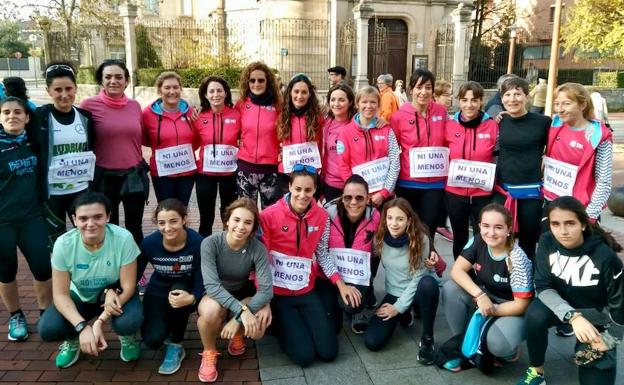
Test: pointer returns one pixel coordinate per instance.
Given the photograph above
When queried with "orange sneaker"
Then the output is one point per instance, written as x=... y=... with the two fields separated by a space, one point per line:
x=236 y=347
x=208 y=368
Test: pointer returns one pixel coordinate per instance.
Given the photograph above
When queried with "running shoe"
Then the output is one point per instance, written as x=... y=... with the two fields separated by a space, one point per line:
x=208 y=368
x=359 y=322
x=174 y=354
x=532 y=377
x=564 y=330
x=426 y=353
x=453 y=365
x=68 y=354
x=18 y=331
x=445 y=233
x=236 y=346
x=130 y=348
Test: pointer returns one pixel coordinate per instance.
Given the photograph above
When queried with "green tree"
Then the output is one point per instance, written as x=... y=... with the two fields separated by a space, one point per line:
x=595 y=26
x=9 y=40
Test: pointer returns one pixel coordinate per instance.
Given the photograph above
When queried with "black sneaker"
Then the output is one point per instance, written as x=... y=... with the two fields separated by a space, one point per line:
x=426 y=354
x=564 y=330
x=359 y=322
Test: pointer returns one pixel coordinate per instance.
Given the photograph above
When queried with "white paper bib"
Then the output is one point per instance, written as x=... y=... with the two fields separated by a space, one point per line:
x=219 y=158
x=175 y=160
x=428 y=162
x=301 y=153
x=374 y=173
x=559 y=177
x=292 y=273
x=72 y=167
x=471 y=174
x=352 y=265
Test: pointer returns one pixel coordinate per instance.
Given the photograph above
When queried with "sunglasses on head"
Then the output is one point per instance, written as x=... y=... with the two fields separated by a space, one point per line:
x=62 y=67
x=350 y=198
x=259 y=81
x=304 y=167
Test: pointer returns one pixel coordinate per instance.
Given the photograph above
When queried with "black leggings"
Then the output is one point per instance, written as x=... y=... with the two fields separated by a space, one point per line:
x=206 y=187
x=161 y=320
x=460 y=210
x=425 y=303
x=426 y=203
x=303 y=328
x=529 y=217
x=541 y=318
x=31 y=236
x=134 y=204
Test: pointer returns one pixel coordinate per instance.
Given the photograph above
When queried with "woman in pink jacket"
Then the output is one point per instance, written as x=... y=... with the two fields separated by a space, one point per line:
x=419 y=129
x=341 y=102
x=295 y=231
x=168 y=131
x=259 y=106
x=579 y=154
x=299 y=128
x=217 y=130
x=471 y=137
x=368 y=150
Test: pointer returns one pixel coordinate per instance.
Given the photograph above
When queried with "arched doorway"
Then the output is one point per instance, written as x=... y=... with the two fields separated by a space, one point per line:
x=387 y=48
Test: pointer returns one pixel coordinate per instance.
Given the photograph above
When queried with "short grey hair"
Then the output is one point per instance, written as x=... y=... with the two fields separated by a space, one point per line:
x=385 y=78
x=502 y=78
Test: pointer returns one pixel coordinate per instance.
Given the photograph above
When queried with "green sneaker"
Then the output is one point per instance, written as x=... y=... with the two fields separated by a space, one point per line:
x=532 y=377
x=68 y=354
x=17 y=327
x=130 y=348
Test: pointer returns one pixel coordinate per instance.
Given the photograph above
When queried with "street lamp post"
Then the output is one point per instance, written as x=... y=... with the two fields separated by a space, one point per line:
x=512 y=47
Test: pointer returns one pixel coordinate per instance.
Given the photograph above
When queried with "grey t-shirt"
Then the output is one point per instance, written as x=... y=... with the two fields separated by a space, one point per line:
x=225 y=270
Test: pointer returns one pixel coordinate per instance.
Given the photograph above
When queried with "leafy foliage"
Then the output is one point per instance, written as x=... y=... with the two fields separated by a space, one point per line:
x=191 y=77
x=9 y=40
x=595 y=26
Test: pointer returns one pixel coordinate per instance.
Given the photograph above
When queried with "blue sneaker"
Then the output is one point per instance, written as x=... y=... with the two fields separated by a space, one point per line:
x=18 y=331
x=174 y=354
x=532 y=377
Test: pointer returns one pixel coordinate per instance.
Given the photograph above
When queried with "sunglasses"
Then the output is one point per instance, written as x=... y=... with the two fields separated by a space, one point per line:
x=304 y=167
x=259 y=81
x=350 y=198
x=55 y=67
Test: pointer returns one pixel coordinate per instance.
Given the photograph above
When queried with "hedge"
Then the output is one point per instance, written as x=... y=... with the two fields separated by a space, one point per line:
x=86 y=75
x=191 y=77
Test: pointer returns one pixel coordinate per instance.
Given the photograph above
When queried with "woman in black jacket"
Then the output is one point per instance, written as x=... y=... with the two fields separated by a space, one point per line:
x=578 y=275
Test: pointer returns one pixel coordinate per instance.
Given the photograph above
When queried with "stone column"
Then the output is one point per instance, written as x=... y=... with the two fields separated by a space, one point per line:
x=128 y=13
x=461 y=18
x=221 y=51
x=362 y=13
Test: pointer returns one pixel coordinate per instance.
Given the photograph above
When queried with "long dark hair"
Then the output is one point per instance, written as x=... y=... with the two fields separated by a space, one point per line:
x=574 y=205
x=312 y=114
x=415 y=232
x=497 y=208
x=271 y=83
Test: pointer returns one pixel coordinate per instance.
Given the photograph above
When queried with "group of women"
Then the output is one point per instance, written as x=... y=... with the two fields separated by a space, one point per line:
x=309 y=264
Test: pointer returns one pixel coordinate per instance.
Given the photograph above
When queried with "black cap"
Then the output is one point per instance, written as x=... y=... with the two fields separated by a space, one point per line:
x=339 y=70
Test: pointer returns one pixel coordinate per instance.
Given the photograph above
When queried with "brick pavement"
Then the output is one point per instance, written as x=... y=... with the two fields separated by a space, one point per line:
x=32 y=361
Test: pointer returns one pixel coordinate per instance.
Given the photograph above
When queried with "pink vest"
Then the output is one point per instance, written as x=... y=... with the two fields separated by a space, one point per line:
x=259 y=144
x=211 y=128
x=331 y=159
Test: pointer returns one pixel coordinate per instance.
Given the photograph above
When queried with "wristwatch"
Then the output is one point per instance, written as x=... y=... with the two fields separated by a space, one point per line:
x=80 y=326
x=240 y=313
x=570 y=315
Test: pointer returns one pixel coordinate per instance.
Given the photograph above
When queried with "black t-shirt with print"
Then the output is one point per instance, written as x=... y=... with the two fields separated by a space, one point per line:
x=491 y=275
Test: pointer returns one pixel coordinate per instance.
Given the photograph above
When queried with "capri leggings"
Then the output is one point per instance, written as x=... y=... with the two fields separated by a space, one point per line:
x=250 y=184
x=505 y=334
x=542 y=318
x=427 y=204
x=31 y=236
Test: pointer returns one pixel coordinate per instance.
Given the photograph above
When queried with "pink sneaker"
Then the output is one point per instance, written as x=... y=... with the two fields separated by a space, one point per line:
x=208 y=368
x=237 y=347
x=445 y=233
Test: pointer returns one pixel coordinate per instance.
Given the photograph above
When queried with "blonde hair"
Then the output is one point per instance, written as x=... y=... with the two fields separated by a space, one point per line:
x=440 y=87
x=366 y=91
x=578 y=93
x=167 y=75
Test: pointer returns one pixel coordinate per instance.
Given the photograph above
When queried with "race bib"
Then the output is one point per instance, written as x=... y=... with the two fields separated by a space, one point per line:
x=471 y=174
x=302 y=153
x=559 y=177
x=428 y=162
x=374 y=173
x=72 y=168
x=175 y=160
x=292 y=273
x=219 y=158
x=352 y=265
